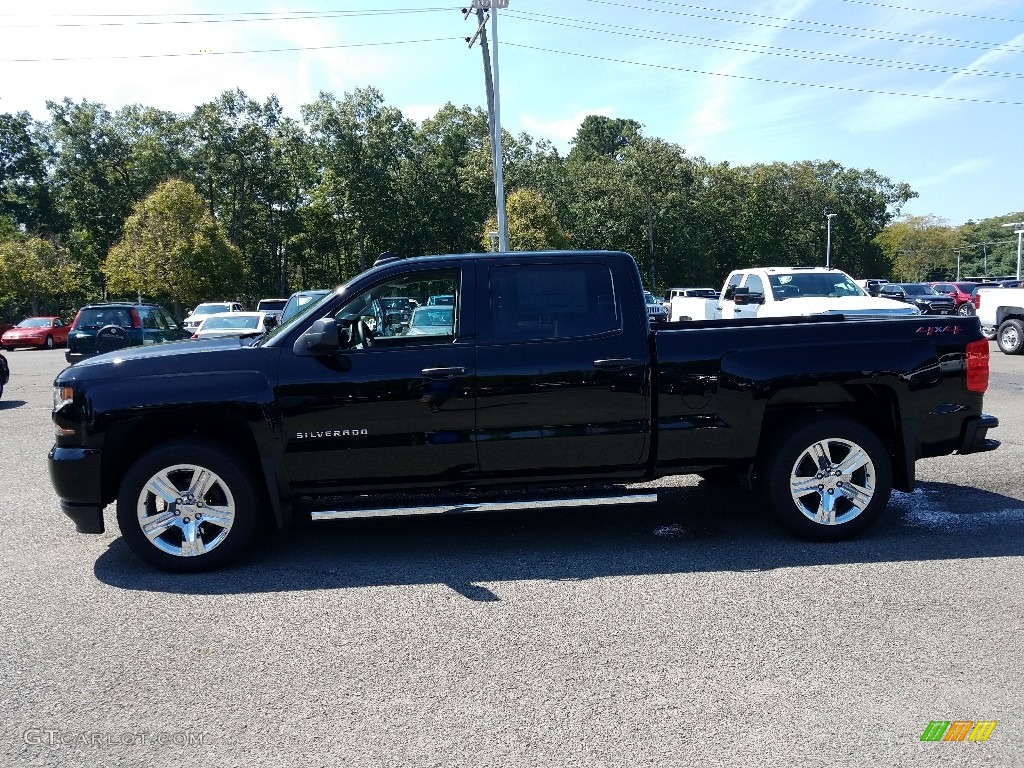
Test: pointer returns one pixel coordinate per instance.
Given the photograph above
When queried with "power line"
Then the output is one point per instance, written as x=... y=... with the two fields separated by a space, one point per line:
x=816 y=27
x=232 y=53
x=824 y=86
x=935 y=12
x=209 y=18
x=742 y=47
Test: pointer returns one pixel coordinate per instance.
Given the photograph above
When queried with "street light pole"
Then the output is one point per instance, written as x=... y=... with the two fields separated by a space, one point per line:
x=828 y=241
x=957 y=252
x=1018 y=231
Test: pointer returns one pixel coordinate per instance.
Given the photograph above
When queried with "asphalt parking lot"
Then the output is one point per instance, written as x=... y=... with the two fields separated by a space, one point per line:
x=694 y=632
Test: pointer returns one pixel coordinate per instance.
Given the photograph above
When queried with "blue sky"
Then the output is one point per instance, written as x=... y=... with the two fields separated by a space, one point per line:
x=923 y=91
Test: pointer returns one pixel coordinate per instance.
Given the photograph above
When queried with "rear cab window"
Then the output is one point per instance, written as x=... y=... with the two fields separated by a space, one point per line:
x=551 y=301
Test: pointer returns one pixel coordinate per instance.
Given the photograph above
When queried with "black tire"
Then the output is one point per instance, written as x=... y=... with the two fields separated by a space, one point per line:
x=193 y=539
x=1010 y=337
x=49 y=342
x=832 y=459
x=966 y=309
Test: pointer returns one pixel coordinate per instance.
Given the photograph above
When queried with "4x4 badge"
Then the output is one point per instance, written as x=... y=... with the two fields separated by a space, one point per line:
x=931 y=330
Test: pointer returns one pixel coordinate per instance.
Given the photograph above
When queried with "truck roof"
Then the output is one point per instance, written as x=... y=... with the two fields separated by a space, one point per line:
x=772 y=270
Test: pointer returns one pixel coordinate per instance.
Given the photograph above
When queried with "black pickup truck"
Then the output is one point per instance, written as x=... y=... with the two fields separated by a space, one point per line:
x=541 y=373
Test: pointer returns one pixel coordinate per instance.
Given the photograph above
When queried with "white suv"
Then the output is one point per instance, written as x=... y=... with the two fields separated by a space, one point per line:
x=197 y=315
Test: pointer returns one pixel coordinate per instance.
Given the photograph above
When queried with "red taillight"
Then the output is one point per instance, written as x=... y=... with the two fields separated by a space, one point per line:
x=976 y=301
x=74 y=322
x=136 y=320
x=977 y=366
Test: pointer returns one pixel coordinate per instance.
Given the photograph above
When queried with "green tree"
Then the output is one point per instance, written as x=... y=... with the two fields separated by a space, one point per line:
x=989 y=247
x=603 y=137
x=532 y=223
x=447 y=182
x=26 y=198
x=173 y=249
x=358 y=144
x=918 y=245
x=35 y=272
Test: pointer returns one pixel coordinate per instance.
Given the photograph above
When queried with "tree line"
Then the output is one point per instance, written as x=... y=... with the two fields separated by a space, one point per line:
x=238 y=201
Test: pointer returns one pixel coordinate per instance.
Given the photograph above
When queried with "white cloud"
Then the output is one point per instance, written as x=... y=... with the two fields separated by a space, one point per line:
x=559 y=130
x=961 y=169
x=420 y=112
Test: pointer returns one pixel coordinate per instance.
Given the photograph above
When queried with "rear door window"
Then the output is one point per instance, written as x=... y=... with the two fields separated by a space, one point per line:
x=552 y=301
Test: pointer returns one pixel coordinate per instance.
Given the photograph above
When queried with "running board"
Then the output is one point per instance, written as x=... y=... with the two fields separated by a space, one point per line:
x=487 y=506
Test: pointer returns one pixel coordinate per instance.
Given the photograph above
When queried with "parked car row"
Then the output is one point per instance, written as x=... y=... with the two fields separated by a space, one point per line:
x=42 y=332
x=107 y=326
x=921 y=295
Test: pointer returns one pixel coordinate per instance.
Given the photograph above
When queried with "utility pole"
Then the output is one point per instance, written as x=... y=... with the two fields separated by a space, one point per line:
x=493 y=102
x=984 y=255
x=828 y=241
x=1018 y=231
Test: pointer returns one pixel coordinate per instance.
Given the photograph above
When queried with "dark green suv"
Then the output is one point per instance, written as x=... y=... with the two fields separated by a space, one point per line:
x=100 y=328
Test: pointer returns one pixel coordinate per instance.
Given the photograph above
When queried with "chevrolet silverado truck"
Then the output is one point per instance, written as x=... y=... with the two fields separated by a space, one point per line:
x=786 y=292
x=1001 y=314
x=543 y=383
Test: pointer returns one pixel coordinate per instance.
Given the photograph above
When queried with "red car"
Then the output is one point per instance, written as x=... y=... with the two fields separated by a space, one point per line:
x=960 y=293
x=42 y=332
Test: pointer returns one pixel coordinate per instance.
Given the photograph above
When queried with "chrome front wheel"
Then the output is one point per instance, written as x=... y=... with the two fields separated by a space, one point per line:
x=187 y=506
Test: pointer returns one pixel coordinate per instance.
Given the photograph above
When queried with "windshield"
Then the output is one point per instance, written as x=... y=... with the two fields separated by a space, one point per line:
x=271 y=305
x=816 y=284
x=299 y=305
x=919 y=289
x=431 y=316
x=95 y=317
x=649 y=298
x=210 y=309
x=35 y=322
x=299 y=302
x=243 y=321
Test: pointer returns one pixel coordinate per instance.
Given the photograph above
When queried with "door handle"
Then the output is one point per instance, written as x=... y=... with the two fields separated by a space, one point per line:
x=443 y=373
x=616 y=363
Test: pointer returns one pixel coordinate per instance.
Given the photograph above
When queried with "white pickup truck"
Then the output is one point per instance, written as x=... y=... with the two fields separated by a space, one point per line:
x=1001 y=312
x=787 y=292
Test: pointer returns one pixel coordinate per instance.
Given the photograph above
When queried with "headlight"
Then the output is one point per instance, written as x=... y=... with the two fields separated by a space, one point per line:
x=63 y=421
x=62 y=396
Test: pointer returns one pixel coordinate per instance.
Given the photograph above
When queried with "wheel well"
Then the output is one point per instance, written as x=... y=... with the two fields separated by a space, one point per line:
x=875 y=407
x=128 y=440
x=1008 y=313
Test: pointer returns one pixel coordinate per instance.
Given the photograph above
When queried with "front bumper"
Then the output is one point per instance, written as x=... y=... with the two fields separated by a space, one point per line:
x=75 y=475
x=973 y=440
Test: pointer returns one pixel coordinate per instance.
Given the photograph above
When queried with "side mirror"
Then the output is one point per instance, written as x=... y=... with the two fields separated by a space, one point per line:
x=322 y=338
